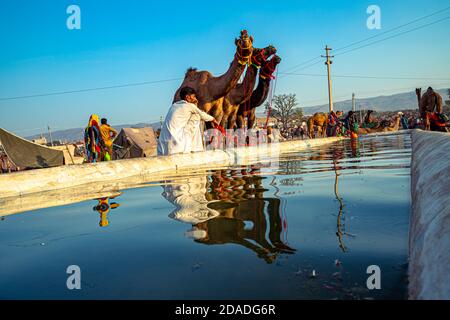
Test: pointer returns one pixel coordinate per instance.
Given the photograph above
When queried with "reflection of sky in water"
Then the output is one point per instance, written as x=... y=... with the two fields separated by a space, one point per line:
x=273 y=229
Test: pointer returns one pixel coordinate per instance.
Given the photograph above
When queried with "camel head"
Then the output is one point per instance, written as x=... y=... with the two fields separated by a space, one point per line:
x=244 y=48
x=419 y=92
x=269 y=67
x=261 y=55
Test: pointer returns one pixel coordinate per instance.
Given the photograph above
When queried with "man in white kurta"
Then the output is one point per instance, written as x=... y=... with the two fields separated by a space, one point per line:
x=181 y=131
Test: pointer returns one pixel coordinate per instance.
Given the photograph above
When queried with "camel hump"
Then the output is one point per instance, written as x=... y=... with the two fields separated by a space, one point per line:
x=193 y=74
x=190 y=72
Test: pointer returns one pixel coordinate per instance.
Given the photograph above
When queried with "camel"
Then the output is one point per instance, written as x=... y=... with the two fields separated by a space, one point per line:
x=209 y=88
x=393 y=128
x=243 y=92
x=259 y=95
x=430 y=102
x=320 y=120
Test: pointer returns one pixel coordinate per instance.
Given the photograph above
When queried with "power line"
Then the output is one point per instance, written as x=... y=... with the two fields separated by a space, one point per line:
x=371 y=43
x=89 y=89
x=393 y=36
x=364 y=77
x=393 y=29
x=295 y=68
x=305 y=62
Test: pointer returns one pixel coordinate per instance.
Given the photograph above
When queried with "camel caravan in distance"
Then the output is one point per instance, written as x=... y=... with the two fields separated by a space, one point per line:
x=430 y=111
x=229 y=102
x=430 y=108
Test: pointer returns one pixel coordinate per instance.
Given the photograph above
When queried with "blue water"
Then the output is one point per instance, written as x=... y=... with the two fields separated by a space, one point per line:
x=244 y=233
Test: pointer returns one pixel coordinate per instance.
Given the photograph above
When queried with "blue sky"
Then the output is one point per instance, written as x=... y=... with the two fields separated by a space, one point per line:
x=133 y=41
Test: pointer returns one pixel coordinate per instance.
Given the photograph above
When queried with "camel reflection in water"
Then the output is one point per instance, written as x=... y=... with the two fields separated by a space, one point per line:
x=230 y=207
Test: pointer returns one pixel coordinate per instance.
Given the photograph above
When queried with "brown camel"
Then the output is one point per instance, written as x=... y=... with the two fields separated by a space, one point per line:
x=242 y=93
x=320 y=120
x=259 y=95
x=393 y=128
x=429 y=103
x=209 y=88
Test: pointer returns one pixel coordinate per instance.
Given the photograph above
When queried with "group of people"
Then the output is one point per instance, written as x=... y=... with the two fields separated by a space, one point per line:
x=338 y=125
x=295 y=132
x=98 y=139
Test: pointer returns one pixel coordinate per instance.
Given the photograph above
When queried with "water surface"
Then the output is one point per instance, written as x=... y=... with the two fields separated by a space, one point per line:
x=253 y=232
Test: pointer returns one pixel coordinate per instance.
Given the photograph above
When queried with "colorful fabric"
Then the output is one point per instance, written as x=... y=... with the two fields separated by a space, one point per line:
x=437 y=119
x=107 y=134
x=92 y=139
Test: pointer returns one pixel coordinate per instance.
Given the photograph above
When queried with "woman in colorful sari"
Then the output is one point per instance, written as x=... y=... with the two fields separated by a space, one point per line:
x=92 y=140
x=333 y=123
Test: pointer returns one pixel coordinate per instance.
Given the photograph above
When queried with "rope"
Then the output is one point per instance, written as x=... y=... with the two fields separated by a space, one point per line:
x=271 y=95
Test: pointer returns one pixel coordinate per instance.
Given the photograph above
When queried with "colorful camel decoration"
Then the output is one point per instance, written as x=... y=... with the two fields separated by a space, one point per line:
x=259 y=95
x=430 y=104
x=243 y=91
x=393 y=128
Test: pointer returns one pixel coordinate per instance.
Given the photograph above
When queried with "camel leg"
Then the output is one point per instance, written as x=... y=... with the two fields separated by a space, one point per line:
x=251 y=119
x=232 y=119
x=311 y=132
x=240 y=121
x=231 y=122
x=224 y=122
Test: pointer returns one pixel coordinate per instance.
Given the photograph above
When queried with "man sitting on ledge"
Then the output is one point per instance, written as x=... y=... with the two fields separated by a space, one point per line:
x=181 y=132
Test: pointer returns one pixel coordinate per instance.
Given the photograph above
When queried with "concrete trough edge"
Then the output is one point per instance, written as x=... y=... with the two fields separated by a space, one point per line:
x=33 y=181
x=429 y=233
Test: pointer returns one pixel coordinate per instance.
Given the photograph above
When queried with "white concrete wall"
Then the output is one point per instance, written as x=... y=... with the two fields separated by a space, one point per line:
x=107 y=176
x=429 y=238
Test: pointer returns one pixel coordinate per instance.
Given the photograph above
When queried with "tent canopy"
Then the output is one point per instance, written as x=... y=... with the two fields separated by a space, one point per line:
x=135 y=143
x=26 y=154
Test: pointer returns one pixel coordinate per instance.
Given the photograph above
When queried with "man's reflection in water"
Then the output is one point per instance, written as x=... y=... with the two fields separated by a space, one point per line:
x=103 y=207
x=190 y=201
x=230 y=208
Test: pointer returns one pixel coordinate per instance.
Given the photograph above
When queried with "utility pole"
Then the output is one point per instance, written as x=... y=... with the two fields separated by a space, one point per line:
x=330 y=87
x=360 y=114
x=50 y=135
x=353 y=103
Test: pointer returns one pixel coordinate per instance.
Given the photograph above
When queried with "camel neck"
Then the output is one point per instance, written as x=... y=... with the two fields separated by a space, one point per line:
x=244 y=91
x=261 y=92
x=222 y=85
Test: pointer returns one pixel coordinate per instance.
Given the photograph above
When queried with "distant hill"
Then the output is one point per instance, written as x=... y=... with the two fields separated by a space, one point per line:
x=400 y=101
x=77 y=134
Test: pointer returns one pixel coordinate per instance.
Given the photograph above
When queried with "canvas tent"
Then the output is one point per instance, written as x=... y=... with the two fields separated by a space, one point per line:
x=26 y=154
x=135 y=143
